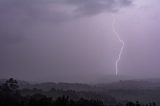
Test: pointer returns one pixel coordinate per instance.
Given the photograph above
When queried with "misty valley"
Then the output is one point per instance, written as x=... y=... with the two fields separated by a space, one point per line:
x=121 y=93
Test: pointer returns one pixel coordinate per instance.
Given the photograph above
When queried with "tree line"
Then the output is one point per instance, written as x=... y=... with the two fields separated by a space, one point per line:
x=10 y=95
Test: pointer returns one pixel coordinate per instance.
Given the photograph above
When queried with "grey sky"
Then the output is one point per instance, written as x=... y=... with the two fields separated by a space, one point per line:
x=72 y=40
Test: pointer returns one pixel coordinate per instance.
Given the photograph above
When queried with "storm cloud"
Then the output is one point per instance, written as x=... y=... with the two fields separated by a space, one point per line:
x=53 y=37
x=58 y=10
x=17 y=15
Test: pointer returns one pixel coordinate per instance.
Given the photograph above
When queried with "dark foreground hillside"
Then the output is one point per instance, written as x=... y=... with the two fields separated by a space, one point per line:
x=11 y=95
x=146 y=91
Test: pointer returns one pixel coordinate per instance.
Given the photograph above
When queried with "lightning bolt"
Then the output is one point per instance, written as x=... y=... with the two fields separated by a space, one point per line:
x=121 y=41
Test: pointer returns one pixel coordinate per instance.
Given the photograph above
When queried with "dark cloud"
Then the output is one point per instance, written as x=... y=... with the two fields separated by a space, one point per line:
x=31 y=40
x=54 y=10
x=88 y=7
x=17 y=15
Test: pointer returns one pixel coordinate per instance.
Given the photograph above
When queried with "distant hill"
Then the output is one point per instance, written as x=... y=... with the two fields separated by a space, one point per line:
x=121 y=84
x=132 y=84
x=144 y=90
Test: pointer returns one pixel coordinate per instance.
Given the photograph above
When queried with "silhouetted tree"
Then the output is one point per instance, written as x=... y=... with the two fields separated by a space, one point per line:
x=137 y=103
x=10 y=85
x=10 y=96
x=62 y=101
x=119 y=104
x=130 y=104
x=154 y=104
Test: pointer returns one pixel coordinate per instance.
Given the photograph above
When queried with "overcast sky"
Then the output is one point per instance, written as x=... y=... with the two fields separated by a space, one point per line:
x=73 y=40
